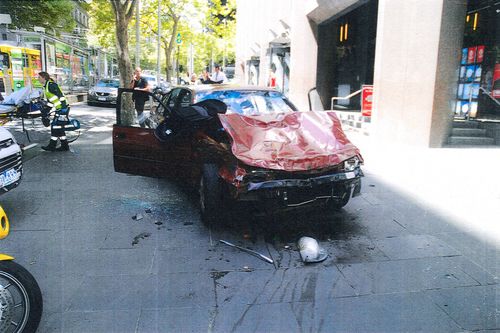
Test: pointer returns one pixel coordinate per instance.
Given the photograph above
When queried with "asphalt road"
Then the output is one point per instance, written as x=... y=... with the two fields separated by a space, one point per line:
x=121 y=253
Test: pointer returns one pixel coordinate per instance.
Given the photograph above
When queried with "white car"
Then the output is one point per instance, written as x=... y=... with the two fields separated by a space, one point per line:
x=11 y=165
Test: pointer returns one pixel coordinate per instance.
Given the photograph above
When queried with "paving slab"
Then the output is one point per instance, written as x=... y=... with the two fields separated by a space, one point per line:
x=473 y=308
x=406 y=312
x=415 y=246
x=176 y=320
x=306 y=284
x=112 y=321
x=414 y=275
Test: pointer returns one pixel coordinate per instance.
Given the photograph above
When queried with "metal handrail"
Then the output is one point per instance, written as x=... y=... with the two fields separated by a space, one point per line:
x=346 y=97
x=487 y=93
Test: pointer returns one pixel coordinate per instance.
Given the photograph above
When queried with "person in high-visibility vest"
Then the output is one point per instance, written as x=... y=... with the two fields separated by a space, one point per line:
x=57 y=102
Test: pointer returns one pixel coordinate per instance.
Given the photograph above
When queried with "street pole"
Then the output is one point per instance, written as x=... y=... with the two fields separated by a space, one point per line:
x=137 y=37
x=177 y=65
x=158 y=48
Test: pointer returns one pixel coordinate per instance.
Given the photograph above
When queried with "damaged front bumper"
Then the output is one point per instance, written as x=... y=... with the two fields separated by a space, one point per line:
x=294 y=192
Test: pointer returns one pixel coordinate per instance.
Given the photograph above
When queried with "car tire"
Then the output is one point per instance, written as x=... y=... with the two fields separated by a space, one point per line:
x=211 y=195
x=90 y=104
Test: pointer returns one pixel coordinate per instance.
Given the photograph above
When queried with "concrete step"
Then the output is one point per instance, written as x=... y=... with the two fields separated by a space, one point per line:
x=470 y=140
x=468 y=132
x=465 y=124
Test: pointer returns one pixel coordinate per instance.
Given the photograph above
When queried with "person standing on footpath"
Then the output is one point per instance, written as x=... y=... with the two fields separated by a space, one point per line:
x=140 y=96
x=218 y=76
x=57 y=103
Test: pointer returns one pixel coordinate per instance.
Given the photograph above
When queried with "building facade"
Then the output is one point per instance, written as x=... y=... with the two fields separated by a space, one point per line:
x=429 y=61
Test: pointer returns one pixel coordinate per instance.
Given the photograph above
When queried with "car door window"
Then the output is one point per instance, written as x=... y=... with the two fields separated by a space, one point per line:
x=185 y=98
x=172 y=98
x=131 y=104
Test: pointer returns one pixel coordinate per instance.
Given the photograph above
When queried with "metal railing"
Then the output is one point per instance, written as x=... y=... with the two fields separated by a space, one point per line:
x=346 y=97
x=487 y=93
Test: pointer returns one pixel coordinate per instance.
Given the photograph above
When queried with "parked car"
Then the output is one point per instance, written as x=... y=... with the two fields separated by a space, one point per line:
x=241 y=144
x=151 y=80
x=11 y=165
x=104 y=92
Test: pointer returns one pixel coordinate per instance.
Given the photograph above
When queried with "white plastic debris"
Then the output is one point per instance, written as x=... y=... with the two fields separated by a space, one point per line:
x=310 y=251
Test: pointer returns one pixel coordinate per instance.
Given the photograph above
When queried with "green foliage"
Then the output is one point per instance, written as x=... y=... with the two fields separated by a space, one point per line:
x=207 y=25
x=102 y=24
x=26 y=14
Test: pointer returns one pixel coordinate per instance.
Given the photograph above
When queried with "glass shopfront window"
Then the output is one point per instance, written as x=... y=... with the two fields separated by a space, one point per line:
x=346 y=55
x=478 y=92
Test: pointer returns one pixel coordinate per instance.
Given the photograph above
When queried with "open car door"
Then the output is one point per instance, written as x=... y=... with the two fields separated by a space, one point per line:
x=136 y=150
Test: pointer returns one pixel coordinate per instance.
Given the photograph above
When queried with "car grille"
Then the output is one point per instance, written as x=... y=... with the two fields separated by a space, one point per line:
x=6 y=143
x=267 y=174
x=102 y=94
x=12 y=161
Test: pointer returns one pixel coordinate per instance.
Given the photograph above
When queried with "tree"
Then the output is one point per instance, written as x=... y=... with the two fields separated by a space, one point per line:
x=102 y=24
x=123 y=11
x=51 y=15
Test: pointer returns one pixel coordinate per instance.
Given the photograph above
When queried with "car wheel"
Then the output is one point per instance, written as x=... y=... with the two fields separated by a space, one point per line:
x=211 y=196
x=20 y=299
x=90 y=104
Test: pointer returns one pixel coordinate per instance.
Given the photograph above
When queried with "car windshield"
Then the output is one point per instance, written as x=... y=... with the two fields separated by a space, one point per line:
x=108 y=83
x=249 y=102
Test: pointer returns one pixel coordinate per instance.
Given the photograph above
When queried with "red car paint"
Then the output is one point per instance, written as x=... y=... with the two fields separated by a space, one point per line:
x=296 y=141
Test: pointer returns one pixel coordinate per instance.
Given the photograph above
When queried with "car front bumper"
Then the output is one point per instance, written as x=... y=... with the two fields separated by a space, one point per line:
x=289 y=193
x=101 y=99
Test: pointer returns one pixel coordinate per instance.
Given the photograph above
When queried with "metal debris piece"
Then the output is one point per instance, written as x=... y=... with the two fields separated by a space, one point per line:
x=252 y=252
x=310 y=251
x=148 y=210
x=137 y=217
x=158 y=223
x=142 y=235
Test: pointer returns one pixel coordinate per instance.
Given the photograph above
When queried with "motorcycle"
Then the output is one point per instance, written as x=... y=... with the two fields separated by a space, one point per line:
x=21 y=302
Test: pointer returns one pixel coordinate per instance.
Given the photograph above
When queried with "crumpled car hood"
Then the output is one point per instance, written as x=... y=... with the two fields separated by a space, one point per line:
x=296 y=141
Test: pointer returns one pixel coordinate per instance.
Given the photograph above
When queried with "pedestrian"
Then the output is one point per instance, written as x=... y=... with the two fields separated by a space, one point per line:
x=218 y=76
x=140 y=96
x=205 y=77
x=57 y=103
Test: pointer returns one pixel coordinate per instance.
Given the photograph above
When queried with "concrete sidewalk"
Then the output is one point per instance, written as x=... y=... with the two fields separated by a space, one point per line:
x=403 y=257
x=462 y=184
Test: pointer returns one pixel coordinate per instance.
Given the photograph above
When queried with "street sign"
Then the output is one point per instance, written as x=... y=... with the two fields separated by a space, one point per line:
x=179 y=38
x=366 y=100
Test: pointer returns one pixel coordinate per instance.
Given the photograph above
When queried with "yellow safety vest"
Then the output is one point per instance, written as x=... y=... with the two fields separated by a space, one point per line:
x=55 y=102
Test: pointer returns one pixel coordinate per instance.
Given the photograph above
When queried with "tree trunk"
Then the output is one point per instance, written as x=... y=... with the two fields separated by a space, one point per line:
x=123 y=14
x=169 y=47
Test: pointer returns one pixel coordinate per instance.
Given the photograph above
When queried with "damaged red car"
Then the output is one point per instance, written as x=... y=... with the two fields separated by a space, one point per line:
x=238 y=144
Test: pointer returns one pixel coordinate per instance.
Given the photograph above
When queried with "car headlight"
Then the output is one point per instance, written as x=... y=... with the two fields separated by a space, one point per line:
x=113 y=93
x=91 y=92
x=351 y=164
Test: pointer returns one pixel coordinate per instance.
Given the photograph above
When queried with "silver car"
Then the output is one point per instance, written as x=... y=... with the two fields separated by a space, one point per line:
x=104 y=92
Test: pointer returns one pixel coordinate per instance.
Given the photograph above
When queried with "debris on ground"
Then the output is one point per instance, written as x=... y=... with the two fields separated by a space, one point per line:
x=188 y=223
x=252 y=252
x=247 y=269
x=148 y=210
x=158 y=223
x=137 y=217
x=142 y=235
x=310 y=251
